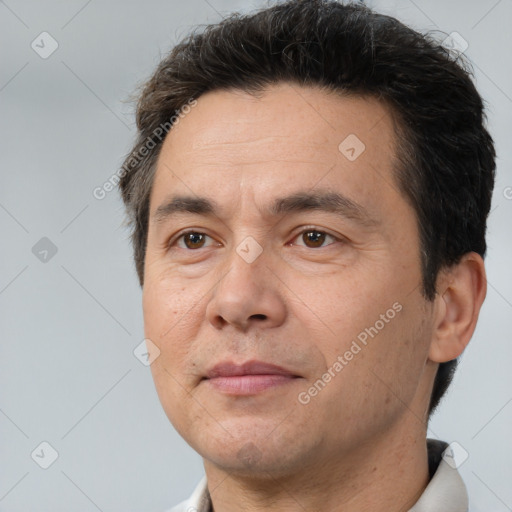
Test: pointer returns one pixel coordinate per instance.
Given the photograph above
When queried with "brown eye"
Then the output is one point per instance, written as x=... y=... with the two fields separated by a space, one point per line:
x=314 y=239
x=193 y=240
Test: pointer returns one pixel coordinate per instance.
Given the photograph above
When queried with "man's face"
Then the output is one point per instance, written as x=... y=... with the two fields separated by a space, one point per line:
x=270 y=277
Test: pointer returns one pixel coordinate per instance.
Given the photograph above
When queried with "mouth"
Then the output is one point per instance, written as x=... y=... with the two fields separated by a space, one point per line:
x=248 y=378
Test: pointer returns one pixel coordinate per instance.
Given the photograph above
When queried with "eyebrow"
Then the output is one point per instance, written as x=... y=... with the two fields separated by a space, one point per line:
x=326 y=201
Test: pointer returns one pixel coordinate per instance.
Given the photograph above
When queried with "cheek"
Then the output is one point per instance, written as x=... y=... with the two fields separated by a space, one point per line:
x=170 y=317
x=167 y=301
x=378 y=328
x=379 y=379
x=169 y=321
x=398 y=356
x=349 y=309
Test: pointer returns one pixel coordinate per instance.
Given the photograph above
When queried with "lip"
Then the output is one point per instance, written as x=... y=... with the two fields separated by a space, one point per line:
x=249 y=378
x=230 y=369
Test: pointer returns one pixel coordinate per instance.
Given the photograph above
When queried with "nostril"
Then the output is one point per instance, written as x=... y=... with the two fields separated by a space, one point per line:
x=259 y=317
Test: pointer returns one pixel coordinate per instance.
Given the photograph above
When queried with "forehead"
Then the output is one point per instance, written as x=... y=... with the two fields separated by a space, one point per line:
x=286 y=136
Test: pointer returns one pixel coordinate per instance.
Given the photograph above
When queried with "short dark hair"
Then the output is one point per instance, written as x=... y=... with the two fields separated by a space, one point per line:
x=445 y=156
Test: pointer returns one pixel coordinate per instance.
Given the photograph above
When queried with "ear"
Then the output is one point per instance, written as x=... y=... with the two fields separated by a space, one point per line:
x=461 y=290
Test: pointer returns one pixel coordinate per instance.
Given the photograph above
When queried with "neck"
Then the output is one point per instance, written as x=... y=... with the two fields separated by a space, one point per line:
x=387 y=474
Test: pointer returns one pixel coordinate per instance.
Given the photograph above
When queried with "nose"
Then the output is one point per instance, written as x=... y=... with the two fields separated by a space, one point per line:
x=248 y=295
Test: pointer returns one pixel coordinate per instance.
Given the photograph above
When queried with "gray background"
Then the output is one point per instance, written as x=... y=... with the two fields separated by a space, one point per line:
x=70 y=321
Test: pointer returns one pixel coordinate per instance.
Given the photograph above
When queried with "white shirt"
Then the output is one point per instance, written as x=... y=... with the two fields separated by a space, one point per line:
x=445 y=492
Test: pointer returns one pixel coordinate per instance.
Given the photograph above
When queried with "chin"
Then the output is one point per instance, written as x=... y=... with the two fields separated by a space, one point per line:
x=255 y=449
x=252 y=461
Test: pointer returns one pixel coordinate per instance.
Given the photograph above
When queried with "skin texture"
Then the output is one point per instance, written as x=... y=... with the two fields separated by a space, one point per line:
x=359 y=443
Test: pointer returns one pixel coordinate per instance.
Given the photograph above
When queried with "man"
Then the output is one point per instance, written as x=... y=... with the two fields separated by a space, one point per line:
x=309 y=194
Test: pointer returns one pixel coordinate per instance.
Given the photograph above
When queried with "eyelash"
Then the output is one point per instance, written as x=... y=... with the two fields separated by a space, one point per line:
x=179 y=237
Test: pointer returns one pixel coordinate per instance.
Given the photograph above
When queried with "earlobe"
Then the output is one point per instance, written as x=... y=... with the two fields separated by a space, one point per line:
x=461 y=292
